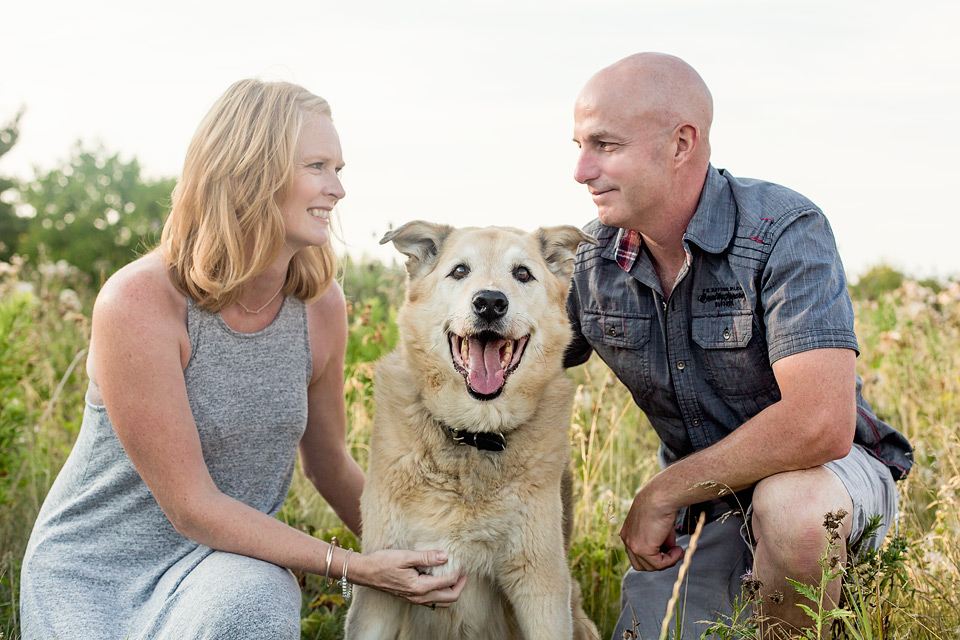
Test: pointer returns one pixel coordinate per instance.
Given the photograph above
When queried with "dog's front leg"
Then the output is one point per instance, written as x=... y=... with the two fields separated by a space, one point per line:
x=373 y=615
x=540 y=594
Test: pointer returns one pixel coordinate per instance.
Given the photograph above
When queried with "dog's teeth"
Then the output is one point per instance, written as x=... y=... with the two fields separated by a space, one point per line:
x=507 y=355
x=465 y=351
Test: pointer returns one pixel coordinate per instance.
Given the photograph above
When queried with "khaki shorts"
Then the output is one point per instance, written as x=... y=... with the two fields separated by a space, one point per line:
x=723 y=555
x=872 y=490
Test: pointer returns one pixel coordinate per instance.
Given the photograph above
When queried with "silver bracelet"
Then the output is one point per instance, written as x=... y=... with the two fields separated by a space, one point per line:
x=326 y=574
x=346 y=587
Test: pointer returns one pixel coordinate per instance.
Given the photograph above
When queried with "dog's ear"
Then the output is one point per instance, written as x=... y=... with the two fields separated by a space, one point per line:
x=559 y=247
x=421 y=242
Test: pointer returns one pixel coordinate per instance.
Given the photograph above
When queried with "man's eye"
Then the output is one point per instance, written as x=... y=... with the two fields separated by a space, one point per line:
x=460 y=271
x=605 y=145
x=522 y=274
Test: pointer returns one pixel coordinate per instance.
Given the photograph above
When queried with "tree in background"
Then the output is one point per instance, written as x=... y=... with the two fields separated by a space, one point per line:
x=12 y=227
x=877 y=281
x=94 y=211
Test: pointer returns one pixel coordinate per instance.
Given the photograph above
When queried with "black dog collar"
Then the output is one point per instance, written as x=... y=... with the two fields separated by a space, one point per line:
x=482 y=440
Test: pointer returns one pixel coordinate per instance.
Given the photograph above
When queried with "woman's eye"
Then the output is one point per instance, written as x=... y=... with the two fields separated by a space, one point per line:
x=522 y=274
x=460 y=271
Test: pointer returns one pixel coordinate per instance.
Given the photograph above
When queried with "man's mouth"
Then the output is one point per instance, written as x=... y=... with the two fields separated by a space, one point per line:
x=599 y=193
x=485 y=360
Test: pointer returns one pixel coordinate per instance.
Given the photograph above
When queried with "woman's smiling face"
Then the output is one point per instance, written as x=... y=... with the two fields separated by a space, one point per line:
x=316 y=185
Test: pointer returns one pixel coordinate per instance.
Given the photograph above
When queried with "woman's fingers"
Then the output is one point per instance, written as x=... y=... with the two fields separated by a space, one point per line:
x=433 y=558
x=427 y=583
x=442 y=597
x=403 y=574
x=446 y=597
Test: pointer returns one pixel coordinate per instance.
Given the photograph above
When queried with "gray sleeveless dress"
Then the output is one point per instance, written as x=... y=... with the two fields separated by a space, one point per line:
x=104 y=561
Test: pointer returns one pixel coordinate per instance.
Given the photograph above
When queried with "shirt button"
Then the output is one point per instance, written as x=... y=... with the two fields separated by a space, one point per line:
x=726 y=334
x=663 y=304
x=681 y=364
x=696 y=422
x=612 y=331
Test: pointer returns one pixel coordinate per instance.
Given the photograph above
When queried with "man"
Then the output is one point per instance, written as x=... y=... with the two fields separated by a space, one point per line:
x=721 y=303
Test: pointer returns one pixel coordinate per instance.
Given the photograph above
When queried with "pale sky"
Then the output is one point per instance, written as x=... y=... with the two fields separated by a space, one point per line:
x=462 y=112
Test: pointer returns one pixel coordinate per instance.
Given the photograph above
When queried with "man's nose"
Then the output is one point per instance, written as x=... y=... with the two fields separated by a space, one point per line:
x=586 y=168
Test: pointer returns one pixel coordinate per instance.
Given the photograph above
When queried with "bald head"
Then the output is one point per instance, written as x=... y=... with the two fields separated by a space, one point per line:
x=643 y=126
x=660 y=89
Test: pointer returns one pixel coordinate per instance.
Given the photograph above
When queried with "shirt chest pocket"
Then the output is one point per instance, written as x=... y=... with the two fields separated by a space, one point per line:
x=734 y=360
x=621 y=340
x=629 y=331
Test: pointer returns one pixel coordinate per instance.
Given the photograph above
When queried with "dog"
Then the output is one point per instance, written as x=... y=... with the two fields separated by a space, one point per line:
x=469 y=451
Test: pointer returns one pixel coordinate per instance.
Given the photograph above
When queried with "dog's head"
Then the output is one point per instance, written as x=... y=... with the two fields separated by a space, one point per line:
x=485 y=315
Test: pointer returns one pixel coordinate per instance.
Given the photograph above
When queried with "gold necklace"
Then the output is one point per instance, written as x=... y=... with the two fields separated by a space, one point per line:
x=272 y=298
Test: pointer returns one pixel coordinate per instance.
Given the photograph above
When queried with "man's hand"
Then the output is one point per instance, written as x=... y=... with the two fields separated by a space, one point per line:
x=648 y=534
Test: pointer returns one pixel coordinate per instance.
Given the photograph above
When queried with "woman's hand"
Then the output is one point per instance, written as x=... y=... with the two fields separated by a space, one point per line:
x=400 y=573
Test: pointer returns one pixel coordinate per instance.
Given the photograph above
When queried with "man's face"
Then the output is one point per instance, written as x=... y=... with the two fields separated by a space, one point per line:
x=624 y=157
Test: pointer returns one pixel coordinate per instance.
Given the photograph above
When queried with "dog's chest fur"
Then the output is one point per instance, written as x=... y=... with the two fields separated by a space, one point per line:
x=456 y=496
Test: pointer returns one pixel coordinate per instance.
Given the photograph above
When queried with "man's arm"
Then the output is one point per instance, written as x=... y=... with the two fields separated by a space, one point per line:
x=578 y=350
x=813 y=423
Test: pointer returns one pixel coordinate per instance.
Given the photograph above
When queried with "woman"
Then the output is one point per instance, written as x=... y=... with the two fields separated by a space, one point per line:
x=212 y=359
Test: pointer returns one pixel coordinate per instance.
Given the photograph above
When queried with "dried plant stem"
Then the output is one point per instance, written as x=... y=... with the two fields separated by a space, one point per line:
x=691 y=548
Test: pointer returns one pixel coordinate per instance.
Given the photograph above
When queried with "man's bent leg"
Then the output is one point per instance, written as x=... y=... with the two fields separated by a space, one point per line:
x=788 y=516
x=711 y=585
x=788 y=523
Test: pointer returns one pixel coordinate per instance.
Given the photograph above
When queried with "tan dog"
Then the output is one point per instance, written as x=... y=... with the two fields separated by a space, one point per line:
x=470 y=446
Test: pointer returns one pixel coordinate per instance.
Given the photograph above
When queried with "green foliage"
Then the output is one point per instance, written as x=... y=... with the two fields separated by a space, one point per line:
x=43 y=335
x=876 y=282
x=95 y=212
x=17 y=346
x=597 y=563
x=12 y=227
x=364 y=281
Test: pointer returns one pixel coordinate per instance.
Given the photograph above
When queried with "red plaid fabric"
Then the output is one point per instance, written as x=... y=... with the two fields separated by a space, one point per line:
x=628 y=248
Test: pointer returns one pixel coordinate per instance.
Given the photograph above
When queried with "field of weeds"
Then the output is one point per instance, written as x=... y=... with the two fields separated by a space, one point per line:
x=909 y=338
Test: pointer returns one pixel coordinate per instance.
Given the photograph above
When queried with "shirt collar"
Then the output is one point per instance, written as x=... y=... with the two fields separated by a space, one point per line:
x=713 y=225
x=711 y=228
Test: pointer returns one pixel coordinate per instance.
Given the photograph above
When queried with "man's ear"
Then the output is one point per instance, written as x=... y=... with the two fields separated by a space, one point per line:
x=421 y=242
x=687 y=137
x=559 y=247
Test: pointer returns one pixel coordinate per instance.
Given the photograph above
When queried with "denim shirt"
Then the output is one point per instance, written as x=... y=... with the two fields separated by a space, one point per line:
x=762 y=281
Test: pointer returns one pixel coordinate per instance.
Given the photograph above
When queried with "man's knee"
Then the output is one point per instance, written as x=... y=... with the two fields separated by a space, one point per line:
x=789 y=513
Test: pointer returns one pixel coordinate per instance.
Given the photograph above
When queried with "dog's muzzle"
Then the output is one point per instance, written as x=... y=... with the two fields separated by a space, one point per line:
x=486 y=360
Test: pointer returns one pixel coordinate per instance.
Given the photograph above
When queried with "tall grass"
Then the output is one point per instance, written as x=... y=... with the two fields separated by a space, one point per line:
x=44 y=331
x=910 y=339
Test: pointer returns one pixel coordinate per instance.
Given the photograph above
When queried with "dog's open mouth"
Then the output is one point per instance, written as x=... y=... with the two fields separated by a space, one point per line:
x=486 y=360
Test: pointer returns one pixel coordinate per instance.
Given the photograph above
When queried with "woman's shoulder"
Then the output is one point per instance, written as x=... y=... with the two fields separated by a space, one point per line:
x=327 y=327
x=332 y=303
x=142 y=286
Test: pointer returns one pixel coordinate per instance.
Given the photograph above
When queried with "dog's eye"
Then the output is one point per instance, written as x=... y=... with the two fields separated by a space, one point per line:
x=522 y=274
x=460 y=271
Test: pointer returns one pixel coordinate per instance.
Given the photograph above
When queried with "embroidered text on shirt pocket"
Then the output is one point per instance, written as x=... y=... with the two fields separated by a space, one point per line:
x=627 y=330
x=723 y=332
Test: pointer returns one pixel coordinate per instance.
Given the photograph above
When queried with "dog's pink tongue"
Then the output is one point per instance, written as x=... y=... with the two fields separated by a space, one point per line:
x=486 y=373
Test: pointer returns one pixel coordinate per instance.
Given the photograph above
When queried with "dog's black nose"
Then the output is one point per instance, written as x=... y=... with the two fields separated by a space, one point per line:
x=490 y=305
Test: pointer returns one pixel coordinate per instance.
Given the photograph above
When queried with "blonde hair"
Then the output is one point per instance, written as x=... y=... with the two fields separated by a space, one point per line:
x=225 y=226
